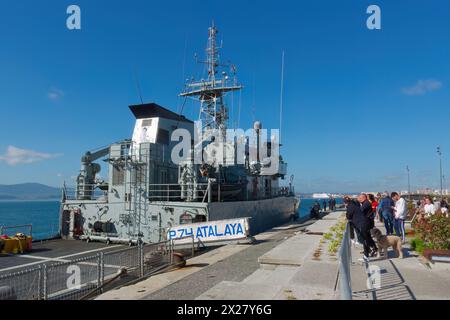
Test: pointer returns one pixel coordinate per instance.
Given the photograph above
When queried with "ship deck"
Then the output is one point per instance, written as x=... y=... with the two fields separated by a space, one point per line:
x=52 y=251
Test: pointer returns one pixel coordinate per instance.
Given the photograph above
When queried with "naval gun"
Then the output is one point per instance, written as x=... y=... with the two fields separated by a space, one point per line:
x=86 y=182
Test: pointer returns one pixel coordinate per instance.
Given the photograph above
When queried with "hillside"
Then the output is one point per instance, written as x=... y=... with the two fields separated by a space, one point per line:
x=28 y=191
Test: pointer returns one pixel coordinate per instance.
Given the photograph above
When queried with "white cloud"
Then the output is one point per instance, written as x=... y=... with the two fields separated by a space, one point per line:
x=55 y=94
x=16 y=156
x=422 y=87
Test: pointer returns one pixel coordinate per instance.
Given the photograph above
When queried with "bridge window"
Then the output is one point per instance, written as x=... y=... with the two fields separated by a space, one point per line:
x=147 y=123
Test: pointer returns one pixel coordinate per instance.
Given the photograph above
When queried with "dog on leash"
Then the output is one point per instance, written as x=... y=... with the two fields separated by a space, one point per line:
x=384 y=242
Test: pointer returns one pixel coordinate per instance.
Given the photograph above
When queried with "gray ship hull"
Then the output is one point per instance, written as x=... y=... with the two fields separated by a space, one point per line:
x=264 y=214
x=152 y=223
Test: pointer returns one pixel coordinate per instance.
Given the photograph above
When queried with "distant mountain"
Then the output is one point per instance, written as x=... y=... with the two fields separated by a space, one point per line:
x=28 y=191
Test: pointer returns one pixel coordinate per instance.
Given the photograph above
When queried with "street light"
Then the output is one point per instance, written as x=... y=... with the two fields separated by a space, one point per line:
x=409 y=184
x=439 y=152
x=444 y=183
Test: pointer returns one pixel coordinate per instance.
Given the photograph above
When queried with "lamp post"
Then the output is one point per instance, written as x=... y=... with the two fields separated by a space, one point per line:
x=439 y=152
x=444 y=183
x=409 y=183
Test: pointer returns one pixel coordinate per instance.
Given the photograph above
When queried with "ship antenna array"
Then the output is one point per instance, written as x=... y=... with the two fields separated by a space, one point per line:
x=211 y=92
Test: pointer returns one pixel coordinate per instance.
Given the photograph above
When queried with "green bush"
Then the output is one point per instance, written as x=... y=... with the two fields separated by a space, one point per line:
x=434 y=231
x=418 y=245
x=328 y=236
x=334 y=246
x=335 y=236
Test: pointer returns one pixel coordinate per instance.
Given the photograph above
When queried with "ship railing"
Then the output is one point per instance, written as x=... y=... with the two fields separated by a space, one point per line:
x=84 y=192
x=279 y=191
x=27 y=228
x=176 y=192
x=345 y=261
x=88 y=276
x=270 y=192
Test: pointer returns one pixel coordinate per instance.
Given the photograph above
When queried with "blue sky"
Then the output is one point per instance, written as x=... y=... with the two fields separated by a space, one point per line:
x=359 y=104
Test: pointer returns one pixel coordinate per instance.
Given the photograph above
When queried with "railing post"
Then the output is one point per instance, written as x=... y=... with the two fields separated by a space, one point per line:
x=209 y=190
x=141 y=259
x=193 y=245
x=171 y=244
x=344 y=267
x=40 y=282
x=100 y=269
x=45 y=282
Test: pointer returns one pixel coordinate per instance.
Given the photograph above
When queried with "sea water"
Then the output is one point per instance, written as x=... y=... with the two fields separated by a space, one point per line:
x=307 y=204
x=42 y=215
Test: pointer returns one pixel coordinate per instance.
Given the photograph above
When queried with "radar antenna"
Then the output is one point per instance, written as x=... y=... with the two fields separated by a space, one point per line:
x=211 y=92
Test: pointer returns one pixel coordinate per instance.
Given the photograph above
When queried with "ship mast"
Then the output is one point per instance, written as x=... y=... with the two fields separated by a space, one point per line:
x=211 y=92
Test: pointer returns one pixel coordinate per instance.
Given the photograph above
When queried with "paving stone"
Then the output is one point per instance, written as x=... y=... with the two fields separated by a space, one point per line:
x=316 y=274
x=278 y=276
x=321 y=226
x=229 y=290
x=293 y=251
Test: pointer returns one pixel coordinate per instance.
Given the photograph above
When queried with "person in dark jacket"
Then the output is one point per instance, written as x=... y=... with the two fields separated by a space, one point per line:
x=362 y=224
x=333 y=204
x=324 y=205
x=387 y=212
x=315 y=210
x=352 y=207
x=367 y=211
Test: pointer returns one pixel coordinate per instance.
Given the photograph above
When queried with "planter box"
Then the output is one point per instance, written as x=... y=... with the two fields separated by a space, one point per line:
x=437 y=255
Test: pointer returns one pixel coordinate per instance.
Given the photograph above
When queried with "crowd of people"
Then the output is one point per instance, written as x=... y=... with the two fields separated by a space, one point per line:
x=392 y=210
x=315 y=210
x=388 y=208
x=363 y=211
x=429 y=206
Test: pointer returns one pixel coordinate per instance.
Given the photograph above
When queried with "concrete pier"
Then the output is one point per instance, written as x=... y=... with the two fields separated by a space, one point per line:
x=290 y=262
x=267 y=269
x=410 y=278
x=290 y=271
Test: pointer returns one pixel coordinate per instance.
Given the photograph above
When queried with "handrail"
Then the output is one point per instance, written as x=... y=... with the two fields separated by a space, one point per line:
x=79 y=192
x=345 y=258
x=2 y=228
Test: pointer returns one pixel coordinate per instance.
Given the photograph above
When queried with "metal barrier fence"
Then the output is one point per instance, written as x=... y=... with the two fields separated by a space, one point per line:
x=85 y=276
x=24 y=285
x=345 y=260
x=72 y=279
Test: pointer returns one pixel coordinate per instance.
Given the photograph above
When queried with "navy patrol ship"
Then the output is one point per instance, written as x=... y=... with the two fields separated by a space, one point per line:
x=147 y=192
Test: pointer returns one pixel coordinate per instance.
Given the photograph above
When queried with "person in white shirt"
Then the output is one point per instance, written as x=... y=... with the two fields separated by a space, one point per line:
x=429 y=207
x=400 y=214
